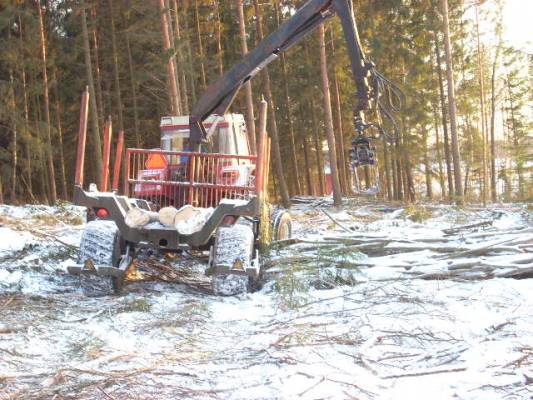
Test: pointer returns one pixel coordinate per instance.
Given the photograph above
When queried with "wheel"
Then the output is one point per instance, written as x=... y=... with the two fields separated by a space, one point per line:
x=281 y=225
x=100 y=244
x=234 y=248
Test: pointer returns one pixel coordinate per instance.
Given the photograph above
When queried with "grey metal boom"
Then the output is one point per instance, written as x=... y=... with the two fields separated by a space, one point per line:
x=218 y=97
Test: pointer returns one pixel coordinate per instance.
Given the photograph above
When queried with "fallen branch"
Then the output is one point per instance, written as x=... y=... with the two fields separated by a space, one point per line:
x=483 y=249
x=336 y=222
x=451 y=231
x=423 y=373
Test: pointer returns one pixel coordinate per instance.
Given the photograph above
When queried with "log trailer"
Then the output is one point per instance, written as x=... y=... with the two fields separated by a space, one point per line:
x=203 y=189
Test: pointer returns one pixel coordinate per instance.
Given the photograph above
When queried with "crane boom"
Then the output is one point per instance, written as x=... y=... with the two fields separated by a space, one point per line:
x=219 y=95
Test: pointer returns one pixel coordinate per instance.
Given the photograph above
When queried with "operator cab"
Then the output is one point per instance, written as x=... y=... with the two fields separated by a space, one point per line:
x=226 y=135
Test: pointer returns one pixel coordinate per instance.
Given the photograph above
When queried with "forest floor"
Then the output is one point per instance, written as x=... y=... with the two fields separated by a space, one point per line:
x=373 y=301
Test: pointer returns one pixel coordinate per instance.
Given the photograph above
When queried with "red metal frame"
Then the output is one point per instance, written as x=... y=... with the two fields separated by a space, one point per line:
x=118 y=161
x=196 y=178
x=108 y=132
x=82 y=136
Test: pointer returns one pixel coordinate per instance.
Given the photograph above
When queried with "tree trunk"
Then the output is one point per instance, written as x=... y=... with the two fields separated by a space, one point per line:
x=386 y=169
x=493 y=172
x=200 y=45
x=250 y=119
x=64 y=190
x=447 y=152
x=328 y=114
x=27 y=133
x=191 y=63
x=456 y=156
x=308 y=180
x=218 y=34
x=340 y=132
x=179 y=60
x=399 y=176
x=427 y=165
x=278 y=163
x=173 y=53
x=292 y=147
x=1 y=191
x=136 y=122
x=172 y=85
x=118 y=95
x=14 y=140
x=49 y=155
x=481 y=75
x=519 y=162
x=439 y=155
x=96 y=140
x=99 y=96
x=318 y=149
x=39 y=167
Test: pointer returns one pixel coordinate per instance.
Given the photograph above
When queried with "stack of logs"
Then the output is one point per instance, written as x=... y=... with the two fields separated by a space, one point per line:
x=167 y=216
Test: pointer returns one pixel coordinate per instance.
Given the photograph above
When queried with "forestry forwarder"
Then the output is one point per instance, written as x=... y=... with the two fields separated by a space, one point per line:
x=219 y=173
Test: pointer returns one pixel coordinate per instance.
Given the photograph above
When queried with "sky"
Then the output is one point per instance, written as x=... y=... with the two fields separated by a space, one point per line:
x=518 y=23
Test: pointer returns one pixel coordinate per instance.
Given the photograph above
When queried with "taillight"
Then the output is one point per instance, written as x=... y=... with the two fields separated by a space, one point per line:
x=102 y=213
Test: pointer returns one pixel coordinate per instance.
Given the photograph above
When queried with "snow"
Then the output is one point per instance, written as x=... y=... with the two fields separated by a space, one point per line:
x=12 y=241
x=386 y=337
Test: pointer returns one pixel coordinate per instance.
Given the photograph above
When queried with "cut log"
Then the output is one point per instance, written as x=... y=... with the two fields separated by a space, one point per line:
x=189 y=219
x=167 y=215
x=137 y=218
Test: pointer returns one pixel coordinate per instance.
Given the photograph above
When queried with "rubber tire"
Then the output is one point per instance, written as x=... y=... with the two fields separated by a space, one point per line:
x=228 y=237
x=281 y=225
x=101 y=243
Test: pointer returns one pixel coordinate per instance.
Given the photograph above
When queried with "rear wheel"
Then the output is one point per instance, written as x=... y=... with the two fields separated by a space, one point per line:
x=233 y=250
x=281 y=225
x=101 y=244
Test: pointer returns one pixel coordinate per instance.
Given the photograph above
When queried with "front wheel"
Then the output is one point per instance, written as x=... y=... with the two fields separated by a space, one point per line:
x=101 y=244
x=233 y=251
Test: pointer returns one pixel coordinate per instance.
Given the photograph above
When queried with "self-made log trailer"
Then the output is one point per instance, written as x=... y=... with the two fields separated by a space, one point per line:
x=205 y=161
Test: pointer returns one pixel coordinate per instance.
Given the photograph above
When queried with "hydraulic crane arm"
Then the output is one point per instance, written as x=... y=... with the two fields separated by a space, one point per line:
x=219 y=95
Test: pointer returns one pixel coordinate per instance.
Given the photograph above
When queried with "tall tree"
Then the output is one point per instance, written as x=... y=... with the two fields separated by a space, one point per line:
x=116 y=75
x=328 y=114
x=481 y=76
x=49 y=155
x=172 y=84
x=447 y=152
x=278 y=163
x=95 y=131
x=493 y=95
x=250 y=118
x=456 y=156
x=290 y=131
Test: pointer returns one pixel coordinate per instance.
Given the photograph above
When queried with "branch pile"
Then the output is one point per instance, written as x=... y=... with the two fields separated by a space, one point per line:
x=474 y=251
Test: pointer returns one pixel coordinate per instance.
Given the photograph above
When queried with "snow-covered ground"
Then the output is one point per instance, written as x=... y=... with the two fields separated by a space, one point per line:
x=428 y=315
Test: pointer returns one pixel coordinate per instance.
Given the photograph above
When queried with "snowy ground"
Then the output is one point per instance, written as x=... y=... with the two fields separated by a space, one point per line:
x=402 y=330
